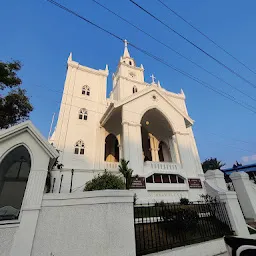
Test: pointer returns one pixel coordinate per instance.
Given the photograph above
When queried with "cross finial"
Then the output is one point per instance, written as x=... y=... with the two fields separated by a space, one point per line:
x=125 y=43
x=153 y=79
x=126 y=52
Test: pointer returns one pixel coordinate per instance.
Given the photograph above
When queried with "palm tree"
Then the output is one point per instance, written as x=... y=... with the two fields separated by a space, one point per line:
x=212 y=164
x=127 y=173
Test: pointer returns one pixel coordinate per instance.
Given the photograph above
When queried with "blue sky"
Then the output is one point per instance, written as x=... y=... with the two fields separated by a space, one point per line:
x=41 y=36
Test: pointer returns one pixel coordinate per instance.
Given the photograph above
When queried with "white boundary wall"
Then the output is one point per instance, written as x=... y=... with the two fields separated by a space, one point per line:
x=87 y=223
x=209 y=248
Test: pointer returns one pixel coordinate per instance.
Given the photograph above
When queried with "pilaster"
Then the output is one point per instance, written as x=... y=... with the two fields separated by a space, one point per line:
x=246 y=193
x=23 y=239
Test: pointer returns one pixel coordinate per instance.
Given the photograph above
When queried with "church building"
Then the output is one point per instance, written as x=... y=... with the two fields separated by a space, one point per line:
x=140 y=122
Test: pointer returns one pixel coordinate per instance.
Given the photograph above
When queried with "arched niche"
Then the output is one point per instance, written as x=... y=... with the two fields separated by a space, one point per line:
x=14 y=171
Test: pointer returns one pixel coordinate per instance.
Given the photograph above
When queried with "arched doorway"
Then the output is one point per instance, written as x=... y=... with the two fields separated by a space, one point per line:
x=164 y=153
x=14 y=172
x=155 y=132
x=146 y=144
x=111 y=149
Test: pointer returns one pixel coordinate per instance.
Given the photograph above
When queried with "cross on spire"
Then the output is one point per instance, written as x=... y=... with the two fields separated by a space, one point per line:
x=126 y=52
x=125 y=43
x=153 y=79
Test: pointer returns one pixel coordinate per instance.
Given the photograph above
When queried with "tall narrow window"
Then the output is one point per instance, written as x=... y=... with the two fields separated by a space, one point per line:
x=14 y=172
x=79 y=148
x=83 y=114
x=86 y=90
x=134 y=89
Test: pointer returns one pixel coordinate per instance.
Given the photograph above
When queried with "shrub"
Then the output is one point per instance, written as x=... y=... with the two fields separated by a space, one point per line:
x=178 y=218
x=184 y=201
x=161 y=204
x=106 y=180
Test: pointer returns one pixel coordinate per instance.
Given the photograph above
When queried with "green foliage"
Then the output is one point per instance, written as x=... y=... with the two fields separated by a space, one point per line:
x=14 y=106
x=106 y=180
x=184 y=201
x=161 y=204
x=8 y=76
x=126 y=172
x=208 y=199
x=179 y=218
x=212 y=164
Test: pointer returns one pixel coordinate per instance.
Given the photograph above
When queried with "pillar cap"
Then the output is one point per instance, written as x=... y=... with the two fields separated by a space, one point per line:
x=214 y=174
x=239 y=175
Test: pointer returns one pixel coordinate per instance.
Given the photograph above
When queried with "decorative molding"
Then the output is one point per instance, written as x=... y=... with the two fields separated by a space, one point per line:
x=130 y=124
x=181 y=133
x=28 y=126
x=131 y=80
x=100 y=72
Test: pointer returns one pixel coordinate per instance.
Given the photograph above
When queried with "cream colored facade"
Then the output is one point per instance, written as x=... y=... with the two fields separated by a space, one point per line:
x=141 y=122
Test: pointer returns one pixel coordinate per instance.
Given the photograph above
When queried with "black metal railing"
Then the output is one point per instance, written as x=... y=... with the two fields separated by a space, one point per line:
x=164 y=226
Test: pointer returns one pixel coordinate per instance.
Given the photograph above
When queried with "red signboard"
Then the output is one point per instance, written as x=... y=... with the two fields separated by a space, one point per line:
x=138 y=182
x=194 y=183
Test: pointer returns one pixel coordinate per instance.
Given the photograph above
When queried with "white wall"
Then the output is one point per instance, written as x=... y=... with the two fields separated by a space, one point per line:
x=89 y=223
x=6 y=238
x=69 y=127
x=209 y=248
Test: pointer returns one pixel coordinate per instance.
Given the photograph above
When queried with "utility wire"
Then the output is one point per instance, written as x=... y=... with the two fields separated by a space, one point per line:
x=224 y=94
x=170 y=48
x=193 y=44
x=224 y=144
x=79 y=107
x=207 y=37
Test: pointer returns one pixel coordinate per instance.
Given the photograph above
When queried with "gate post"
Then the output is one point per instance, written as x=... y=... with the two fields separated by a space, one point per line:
x=246 y=193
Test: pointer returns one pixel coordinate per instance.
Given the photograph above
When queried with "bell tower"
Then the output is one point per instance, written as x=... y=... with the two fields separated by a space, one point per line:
x=128 y=78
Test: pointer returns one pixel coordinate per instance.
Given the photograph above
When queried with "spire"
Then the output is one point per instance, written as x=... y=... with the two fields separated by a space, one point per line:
x=153 y=79
x=70 y=57
x=126 y=52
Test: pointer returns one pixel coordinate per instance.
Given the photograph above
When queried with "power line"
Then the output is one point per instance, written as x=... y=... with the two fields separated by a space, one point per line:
x=224 y=94
x=207 y=37
x=224 y=136
x=231 y=146
x=59 y=91
x=193 y=44
x=227 y=145
x=170 y=48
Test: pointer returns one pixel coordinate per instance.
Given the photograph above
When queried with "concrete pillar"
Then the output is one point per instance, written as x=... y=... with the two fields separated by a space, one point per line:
x=176 y=153
x=215 y=186
x=246 y=193
x=132 y=146
x=126 y=148
x=23 y=239
x=217 y=177
x=234 y=213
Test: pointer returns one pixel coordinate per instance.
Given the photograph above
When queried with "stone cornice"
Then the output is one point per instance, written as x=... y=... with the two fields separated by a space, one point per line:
x=131 y=80
x=76 y=65
x=129 y=66
x=181 y=133
x=130 y=124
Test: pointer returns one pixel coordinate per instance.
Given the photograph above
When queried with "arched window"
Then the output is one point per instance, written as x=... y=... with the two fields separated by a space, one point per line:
x=83 y=114
x=79 y=148
x=14 y=172
x=130 y=62
x=134 y=89
x=111 y=149
x=86 y=90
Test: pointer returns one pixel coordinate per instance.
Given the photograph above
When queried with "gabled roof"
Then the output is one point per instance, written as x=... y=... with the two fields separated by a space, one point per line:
x=27 y=126
x=139 y=94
